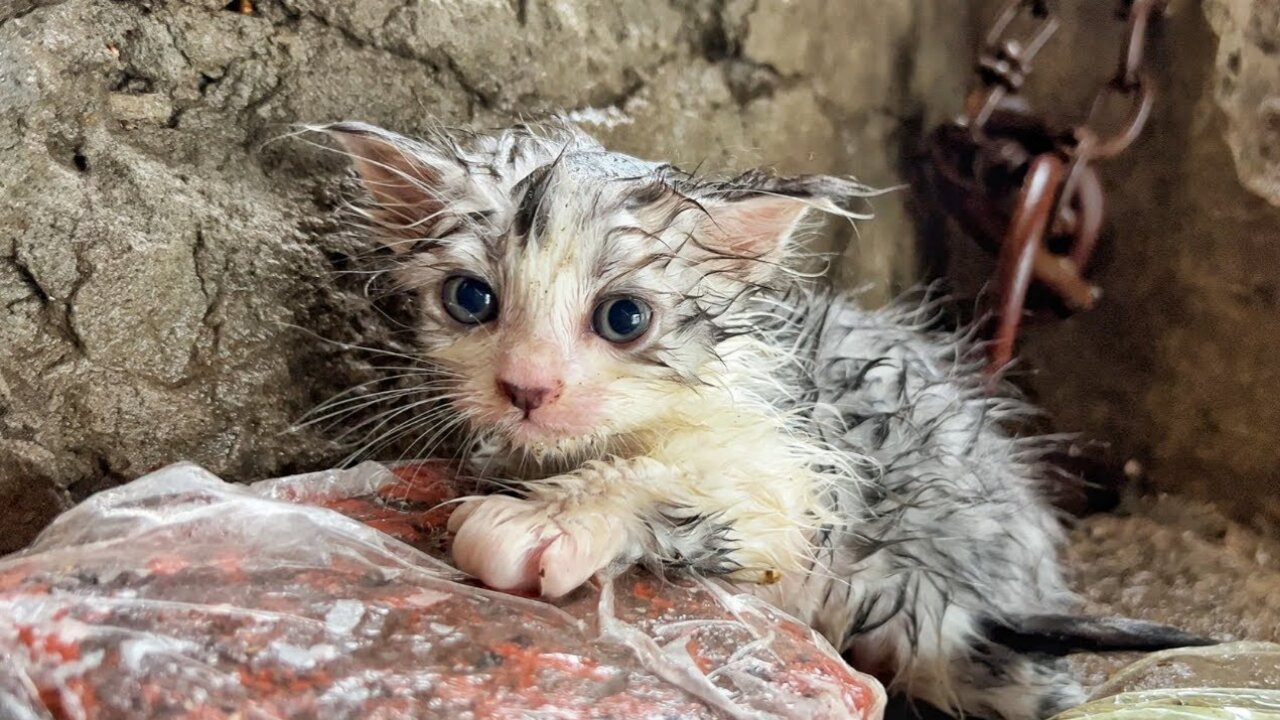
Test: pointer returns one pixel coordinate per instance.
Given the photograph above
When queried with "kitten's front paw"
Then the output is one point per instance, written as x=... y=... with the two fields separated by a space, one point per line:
x=529 y=545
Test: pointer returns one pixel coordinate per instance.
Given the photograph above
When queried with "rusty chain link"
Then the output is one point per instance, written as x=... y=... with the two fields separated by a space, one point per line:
x=1027 y=191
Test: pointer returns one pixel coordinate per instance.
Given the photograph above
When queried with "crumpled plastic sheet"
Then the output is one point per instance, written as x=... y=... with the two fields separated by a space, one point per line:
x=1231 y=681
x=1182 y=704
x=1244 y=664
x=321 y=596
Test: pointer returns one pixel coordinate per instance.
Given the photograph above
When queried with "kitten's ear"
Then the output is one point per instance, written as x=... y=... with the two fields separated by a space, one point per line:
x=756 y=228
x=413 y=185
x=752 y=221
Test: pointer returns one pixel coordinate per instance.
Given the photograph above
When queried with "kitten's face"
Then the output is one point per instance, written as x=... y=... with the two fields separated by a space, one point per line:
x=568 y=292
x=572 y=328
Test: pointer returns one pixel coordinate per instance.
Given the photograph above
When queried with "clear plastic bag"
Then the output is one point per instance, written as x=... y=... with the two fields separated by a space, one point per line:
x=180 y=595
x=1182 y=704
x=1232 y=681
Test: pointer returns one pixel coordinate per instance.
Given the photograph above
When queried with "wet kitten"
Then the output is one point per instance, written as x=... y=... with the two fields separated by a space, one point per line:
x=632 y=351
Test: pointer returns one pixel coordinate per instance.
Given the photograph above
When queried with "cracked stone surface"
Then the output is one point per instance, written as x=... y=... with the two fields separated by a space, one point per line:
x=1247 y=88
x=172 y=267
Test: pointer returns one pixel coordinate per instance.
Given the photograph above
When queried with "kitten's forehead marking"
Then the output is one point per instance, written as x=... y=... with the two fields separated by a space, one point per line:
x=572 y=227
x=587 y=176
x=528 y=195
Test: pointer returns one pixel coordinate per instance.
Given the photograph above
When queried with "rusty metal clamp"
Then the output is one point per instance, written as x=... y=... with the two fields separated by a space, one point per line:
x=1027 y=192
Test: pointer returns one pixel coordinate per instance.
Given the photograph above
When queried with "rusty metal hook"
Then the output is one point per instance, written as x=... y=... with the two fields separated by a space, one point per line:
x=1015 y=184
x=1023 y=242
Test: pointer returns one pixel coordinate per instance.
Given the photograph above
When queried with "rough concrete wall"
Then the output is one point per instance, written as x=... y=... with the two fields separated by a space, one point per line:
x=1247 y=88
x=1177 y=367
x=167 y=274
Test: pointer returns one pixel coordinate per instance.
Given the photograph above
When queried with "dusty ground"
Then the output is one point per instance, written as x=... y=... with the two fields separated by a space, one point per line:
x=1179 y=561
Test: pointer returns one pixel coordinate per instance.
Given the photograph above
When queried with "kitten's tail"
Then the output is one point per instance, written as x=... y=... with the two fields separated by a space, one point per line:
x=1056 y=635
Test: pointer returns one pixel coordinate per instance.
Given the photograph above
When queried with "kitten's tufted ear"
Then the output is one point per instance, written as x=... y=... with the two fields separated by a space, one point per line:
x=757 y=228
x=417 y=189
x=752 y=221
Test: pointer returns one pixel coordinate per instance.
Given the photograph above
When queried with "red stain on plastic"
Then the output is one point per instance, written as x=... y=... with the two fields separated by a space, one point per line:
x=243 y=607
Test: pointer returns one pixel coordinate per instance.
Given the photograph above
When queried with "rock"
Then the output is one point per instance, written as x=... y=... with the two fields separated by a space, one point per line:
x=1247 y=88
x=131 y=109
x=173 y=266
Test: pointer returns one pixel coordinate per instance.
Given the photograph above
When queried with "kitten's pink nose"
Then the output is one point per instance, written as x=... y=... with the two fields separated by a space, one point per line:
x=528 y=399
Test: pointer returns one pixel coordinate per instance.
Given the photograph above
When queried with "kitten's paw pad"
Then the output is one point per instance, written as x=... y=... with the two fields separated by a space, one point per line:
x=530 y=546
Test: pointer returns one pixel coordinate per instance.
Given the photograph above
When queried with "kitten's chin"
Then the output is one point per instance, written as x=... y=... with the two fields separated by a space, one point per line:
x=548 y=441
x=528 y=434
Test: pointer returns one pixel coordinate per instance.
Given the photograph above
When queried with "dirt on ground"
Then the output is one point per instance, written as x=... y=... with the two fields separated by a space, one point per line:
x=1170 y=559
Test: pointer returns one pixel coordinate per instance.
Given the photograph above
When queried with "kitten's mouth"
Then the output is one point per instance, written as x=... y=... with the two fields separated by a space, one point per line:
x=544 y=429
x=553 y=426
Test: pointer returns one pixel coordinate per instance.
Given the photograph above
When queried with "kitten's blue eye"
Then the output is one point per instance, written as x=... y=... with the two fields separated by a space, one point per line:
x=469 y=300
x=621 y=319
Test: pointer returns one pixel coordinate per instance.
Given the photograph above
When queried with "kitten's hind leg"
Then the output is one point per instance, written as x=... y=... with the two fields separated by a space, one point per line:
x=938 y=653
x=944 y=651
x=997 y=682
